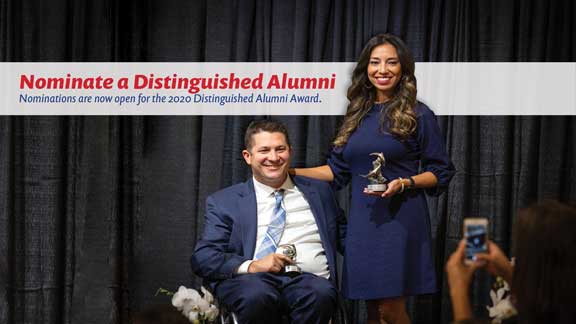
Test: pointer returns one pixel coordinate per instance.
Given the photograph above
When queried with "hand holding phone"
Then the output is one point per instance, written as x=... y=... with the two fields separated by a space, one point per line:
x=497 y=263
x=476 y=236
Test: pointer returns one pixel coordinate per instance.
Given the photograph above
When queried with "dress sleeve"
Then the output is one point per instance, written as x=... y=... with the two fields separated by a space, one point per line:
x=339 y=168
x=434 y=157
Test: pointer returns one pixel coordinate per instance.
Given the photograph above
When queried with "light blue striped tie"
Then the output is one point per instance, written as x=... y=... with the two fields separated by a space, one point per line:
x=275 y=229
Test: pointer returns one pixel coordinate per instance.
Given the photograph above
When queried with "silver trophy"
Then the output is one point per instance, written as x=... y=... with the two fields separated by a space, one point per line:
x=377 y=182
x=289 y=250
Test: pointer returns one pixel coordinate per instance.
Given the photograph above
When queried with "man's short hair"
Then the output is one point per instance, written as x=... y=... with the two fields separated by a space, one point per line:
x=264 y=125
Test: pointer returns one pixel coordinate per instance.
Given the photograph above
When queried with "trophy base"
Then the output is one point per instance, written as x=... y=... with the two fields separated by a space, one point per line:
x=292 y=270
x=381 y=187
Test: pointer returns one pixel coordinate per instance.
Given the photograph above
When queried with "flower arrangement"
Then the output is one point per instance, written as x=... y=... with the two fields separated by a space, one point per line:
x=502 y=307
x=198 y=309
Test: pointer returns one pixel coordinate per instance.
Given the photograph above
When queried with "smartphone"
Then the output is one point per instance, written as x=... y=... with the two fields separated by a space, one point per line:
x=476 y=235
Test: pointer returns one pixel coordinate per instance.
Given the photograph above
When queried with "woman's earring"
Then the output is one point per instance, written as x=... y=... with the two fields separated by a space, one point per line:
x=368 y=86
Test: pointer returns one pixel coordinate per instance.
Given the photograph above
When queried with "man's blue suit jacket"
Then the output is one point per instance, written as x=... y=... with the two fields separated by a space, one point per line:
x=230 y=227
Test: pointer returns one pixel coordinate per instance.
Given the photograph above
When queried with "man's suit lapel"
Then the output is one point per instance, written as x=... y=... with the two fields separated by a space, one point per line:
x=248 y=215
x=313 y=198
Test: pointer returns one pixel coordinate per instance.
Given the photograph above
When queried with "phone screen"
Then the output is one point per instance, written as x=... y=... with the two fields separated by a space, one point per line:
x=475 y=240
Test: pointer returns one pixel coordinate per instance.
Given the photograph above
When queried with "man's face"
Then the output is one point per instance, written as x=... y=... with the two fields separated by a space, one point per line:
x=269 y=158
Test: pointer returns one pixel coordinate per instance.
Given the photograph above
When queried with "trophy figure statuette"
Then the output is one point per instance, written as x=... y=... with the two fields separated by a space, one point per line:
x=377 y=182
x=289 y=250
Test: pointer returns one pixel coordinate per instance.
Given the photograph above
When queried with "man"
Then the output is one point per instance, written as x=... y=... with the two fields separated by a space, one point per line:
x=245 y=223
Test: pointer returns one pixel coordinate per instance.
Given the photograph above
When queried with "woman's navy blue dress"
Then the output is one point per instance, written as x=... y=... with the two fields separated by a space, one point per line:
x=388 y=244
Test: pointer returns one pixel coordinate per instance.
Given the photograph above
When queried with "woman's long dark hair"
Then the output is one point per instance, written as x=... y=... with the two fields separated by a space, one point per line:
x=544 y=283
x=400 y=116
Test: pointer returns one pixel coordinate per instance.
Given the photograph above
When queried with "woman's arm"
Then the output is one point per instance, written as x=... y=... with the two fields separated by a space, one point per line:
x=423 y=180
x=434 y=156
x=460 y=305
x=323 y=172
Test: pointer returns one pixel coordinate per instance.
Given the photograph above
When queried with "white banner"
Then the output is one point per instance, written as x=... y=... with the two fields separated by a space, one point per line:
x=274 y=88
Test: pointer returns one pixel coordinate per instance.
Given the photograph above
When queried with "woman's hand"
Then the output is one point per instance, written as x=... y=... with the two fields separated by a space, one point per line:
x=497 y=262
x=459 y=273
x=394 y=187
x=423 y=180
x=459 y=278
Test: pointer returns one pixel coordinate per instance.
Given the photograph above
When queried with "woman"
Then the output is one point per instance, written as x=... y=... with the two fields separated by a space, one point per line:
x=388 y=245
x=542 y=280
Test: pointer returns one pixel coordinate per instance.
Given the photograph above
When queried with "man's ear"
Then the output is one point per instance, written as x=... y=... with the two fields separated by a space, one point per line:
x=246 y=156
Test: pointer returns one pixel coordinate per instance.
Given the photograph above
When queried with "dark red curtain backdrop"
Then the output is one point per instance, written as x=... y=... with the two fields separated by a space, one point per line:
x=96 y=213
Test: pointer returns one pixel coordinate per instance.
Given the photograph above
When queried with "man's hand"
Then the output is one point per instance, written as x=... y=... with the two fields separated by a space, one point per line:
x=497 y=262
x=273 y=262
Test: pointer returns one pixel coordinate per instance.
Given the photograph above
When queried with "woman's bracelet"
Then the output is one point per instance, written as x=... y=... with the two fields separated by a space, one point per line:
x=412 y=183
x=402 y=184
x=403 y=187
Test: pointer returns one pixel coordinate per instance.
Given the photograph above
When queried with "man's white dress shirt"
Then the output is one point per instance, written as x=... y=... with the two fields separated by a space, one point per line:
x=300 y=229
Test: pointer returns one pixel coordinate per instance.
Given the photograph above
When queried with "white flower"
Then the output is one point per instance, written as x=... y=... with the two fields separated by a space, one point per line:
x=212 y=313
x=184 y=296
x=193 y=306
x=202 y=305
x=192 y=316
x=501 y=308
x=207 y=295
x=505 y=286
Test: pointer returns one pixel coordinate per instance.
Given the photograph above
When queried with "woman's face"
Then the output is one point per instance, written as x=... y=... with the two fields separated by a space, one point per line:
x=384 y=71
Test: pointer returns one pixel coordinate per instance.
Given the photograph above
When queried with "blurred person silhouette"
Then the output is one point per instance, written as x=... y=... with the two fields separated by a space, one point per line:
x=543 y=277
